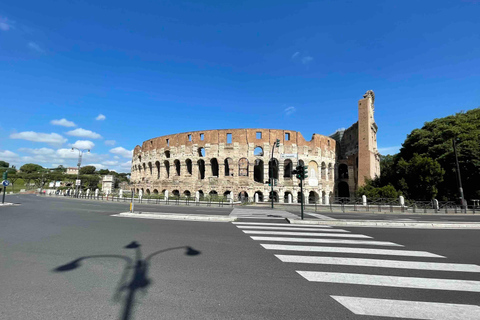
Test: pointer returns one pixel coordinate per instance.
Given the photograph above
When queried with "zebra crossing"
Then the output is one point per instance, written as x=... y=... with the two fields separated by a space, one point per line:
x=322 y=246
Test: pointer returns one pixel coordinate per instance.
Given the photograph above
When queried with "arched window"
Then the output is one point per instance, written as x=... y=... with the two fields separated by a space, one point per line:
x=273 y=169
x=157 y=165
x=201 y=152
x=213 y=195
x=330 y=172
x=243 y=196
x=258 y=152
x=324 y=171
x=286 y=197
x=188 y=163
x=343 y=171
x=155 y=191
x=258 y=171
x=313 y=171
x=201 y=169
x=144 y=168
x=177 y=167
x=243 y=167
x=287 y=169
x=343 y=190
x=201 y=194
x=228 y=167
x=214 y=165
x=167 y=154
x=151 y=168
x=312 y=197
x=259 y=195
x=167 y=168
x=187 y=193
x=148 y=191
x=176 y=193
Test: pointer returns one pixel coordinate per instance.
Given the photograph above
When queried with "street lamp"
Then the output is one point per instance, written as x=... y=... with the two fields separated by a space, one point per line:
x=80 y=154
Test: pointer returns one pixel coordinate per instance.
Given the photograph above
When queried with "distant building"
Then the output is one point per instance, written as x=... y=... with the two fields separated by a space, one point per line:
x=108 y=184
x=72 y=170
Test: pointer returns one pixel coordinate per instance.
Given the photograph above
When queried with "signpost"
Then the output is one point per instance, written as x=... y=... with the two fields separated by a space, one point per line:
x=5 y=184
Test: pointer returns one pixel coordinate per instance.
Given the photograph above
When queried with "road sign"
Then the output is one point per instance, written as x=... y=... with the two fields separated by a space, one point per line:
x=78 y=182
x=5 y=183
x=288 y=155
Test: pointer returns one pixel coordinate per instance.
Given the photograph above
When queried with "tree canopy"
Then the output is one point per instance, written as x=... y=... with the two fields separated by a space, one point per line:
x=31 y=168
x=87 y=170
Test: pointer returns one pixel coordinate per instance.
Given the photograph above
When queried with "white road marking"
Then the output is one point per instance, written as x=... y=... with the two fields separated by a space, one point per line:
x=337 y=241
x=385 y=252
x=308 y=234
x=320 y=216
x=392 y=281
x=397 y=264
x=290 y=228
x=280 y=224
x=409 y=309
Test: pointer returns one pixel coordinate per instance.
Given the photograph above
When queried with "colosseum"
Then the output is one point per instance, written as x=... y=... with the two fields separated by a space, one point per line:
x=239 y=164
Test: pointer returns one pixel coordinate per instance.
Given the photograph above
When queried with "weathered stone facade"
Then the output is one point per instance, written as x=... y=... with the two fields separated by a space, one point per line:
x=235 y=162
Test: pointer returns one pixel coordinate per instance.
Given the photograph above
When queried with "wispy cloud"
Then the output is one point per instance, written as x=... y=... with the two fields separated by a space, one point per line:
x=288 y=111
x=100 y=117
x=5 y=24
x=51 y=138
x=8 y=155
x=302 y=57
x=63 y=122
x=110 y=142
x=295 y=55
x=84 y=133
x=307 y=60
x=389 y=150
x=36 y=47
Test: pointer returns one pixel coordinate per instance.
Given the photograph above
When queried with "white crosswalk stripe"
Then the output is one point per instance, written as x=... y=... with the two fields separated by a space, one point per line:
x=386 y=252
x=337 y=241
x=381 y=263
x=324 y=241
x=409 y=309
x=392 y=281
x=307 y=234
x=281 y=224
x=290 y=228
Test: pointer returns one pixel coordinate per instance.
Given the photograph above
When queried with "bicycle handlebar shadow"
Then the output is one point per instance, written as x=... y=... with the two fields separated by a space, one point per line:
x=138 y=268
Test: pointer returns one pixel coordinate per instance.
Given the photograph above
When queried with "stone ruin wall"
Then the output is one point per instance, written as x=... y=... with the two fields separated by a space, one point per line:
x=151 y=160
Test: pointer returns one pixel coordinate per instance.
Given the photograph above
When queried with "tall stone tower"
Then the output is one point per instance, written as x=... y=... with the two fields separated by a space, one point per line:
x=368 y=156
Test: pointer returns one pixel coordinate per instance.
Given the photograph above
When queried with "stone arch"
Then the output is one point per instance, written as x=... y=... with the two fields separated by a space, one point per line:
x=187 y=193
x=324 y=197
x=258 y=152
x=188 y=164
x=330 y=172
x=140 y=158
x=273 y=169
x=213 y=194
x=287 y=169
x=227 y=193
x=258 y=171
x=299 y=197
x=155 y=191
x=343 y=189
x=243 y=167
x=177 y=167
x=167 y=153
x=167 y=168
x=259 y=194
x=313 y=173
x=228 y=164
x=313 y=197
x=138 y=191
x=163 y=192
x=275 y=196
x=157 y=165
x=201 y=195
x=201 y=152
x=147 y=191
x=201 y=169
x=243 y=196
x=324 y=171
x=343 y=171
x=214 y=166
x=176 y=193
x=144 y=168
x=150 y=167
x=285 y=197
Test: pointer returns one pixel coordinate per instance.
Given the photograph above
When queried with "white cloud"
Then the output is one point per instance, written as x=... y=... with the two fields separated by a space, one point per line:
x=302 y=58
x=40 y=151
x=5 y=24
x=100 y=117
x=122 y=152
x=110 y=142
x=51 y=138
x=389 y=150
x=288 y=111
x=7 y=155
x=36 y=47
x=295 y=55
x=63 y=122
x=84 y=133
x=83 y=144
x=110 y=163
x=116 y=157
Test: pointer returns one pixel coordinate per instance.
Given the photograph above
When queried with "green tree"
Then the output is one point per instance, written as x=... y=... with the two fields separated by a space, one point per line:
x=31 y=168
x=87 y=170
x=4 y=164
x=103 y=172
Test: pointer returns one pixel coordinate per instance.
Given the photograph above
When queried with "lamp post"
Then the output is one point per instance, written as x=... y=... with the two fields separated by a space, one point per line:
x=80 y=154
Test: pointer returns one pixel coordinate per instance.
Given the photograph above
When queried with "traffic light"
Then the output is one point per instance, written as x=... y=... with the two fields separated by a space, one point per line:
x=305 y=172
x=277 y=143
x=299 y=172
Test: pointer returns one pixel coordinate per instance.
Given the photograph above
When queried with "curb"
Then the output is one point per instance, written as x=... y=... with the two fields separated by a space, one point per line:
x=172 y=216
x=391 y=224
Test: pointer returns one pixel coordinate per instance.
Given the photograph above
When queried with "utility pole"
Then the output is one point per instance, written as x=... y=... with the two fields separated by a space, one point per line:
x=302 y=173
x=271 y=171
x=79 y=164
x=459 y=178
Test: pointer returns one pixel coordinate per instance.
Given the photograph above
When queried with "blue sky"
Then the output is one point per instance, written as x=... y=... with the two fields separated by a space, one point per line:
x=153 y=68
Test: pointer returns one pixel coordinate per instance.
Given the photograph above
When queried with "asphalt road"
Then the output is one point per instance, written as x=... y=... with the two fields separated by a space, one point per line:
x=64 y=259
